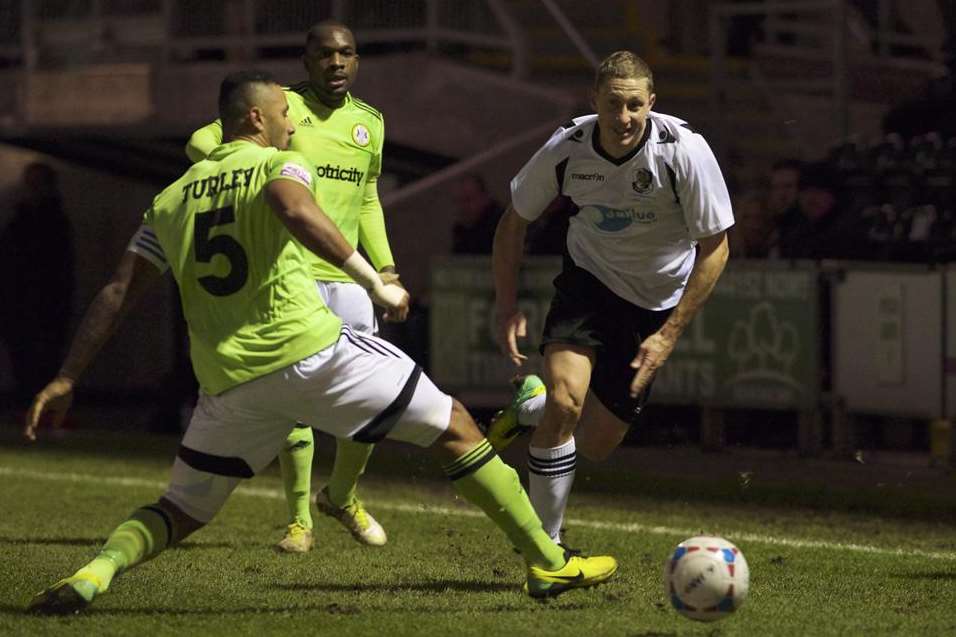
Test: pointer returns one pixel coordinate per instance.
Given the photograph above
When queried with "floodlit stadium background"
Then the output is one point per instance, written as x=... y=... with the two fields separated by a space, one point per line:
x=841 y=358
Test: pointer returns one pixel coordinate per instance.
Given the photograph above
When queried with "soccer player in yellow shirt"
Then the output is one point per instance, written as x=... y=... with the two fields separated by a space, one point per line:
x=234 y=231
x=343 y=136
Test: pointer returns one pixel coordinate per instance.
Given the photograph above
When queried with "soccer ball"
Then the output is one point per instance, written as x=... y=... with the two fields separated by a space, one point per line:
x=706 y=578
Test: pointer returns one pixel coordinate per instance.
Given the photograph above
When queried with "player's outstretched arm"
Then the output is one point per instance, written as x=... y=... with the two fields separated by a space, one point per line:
x=507 y=252
x=295 y=206
x=203 y=141
x=132 y=277
x=658 y=346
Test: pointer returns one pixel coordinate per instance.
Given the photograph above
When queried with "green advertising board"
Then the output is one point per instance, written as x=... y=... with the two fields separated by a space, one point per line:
x=464 y=357
x=755 y=344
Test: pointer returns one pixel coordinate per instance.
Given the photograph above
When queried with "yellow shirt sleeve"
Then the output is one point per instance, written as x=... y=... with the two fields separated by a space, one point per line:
x=373 y=236
x=203 y=141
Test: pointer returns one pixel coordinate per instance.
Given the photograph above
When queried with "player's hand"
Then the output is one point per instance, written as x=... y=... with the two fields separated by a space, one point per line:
x=653 y=352
x=394 y=299
x=54 y=399
x=509 y=327
x=390 y=277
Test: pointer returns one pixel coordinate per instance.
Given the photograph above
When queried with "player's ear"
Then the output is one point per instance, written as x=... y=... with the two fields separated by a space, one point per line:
x=651 y=100
x=256 y=118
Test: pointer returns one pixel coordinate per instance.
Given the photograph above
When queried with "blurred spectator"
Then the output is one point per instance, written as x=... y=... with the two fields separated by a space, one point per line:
x=822 y=229
x=912 y=217
x=784 y=184
x=782 y=198
x=36 y=257
x=477 y=218
x=753 y=235
x=549 y=234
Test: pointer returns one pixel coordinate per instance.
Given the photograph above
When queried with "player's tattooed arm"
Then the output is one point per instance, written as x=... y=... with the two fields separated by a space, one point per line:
x=133 y=276
x=657 y=347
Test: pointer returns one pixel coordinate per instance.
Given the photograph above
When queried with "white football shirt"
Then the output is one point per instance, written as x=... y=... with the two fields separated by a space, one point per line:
x=639 y=216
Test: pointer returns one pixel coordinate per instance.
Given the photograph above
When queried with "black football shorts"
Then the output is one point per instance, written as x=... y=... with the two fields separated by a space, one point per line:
x=585 y=312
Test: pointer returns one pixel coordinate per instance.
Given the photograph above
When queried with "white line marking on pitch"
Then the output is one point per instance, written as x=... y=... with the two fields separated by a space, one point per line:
x=275 y=494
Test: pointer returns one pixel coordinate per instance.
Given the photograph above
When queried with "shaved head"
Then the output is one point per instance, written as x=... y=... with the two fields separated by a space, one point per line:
x=240 y=91
x=253 y=106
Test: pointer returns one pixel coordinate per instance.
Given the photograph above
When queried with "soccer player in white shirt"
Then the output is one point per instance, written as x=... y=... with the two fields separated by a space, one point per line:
x=644 y=250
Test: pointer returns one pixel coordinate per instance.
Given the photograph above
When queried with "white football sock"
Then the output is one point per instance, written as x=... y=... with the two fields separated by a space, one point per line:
x=531 y=410
x=550 y=477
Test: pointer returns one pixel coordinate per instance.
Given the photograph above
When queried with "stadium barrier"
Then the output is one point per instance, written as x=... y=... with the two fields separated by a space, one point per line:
x=950 y=339
x=888 y=339
x=888 y=347
x=942 y=430
x=763 y=341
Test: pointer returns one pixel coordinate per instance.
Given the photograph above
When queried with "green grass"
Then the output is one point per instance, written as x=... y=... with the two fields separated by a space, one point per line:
x=446 y=570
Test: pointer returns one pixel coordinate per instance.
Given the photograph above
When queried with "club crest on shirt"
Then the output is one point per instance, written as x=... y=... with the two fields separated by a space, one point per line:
x=360 y=135
x=642 y=181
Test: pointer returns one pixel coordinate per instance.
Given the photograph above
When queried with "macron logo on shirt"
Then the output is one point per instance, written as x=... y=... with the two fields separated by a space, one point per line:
x=588 y=177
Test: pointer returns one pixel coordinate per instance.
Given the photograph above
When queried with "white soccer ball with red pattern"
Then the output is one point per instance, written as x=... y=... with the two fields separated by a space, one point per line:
x=706 y=578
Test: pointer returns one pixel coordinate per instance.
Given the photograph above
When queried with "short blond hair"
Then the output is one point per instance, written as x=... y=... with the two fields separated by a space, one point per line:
x=623 y=65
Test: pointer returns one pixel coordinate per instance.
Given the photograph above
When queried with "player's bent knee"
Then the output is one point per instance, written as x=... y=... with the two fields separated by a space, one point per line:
x=564 y=404
x=462 y=433
x=462 y=424
x=193 y=512
x=198 y=495
x=183 y=525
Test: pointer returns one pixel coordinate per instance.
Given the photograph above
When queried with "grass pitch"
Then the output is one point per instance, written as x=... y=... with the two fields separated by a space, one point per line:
x=446 y=570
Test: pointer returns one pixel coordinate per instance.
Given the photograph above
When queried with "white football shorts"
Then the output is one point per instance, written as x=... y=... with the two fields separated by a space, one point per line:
x=351 y=303
x=362 y=387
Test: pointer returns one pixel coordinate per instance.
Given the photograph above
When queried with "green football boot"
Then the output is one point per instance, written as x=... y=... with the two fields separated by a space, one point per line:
x=68 y=596
x=504 y=426
x=353 y=516
x=578 y=572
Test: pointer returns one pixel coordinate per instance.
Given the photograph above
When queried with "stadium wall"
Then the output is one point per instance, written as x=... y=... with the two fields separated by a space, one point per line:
x=104 y=211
